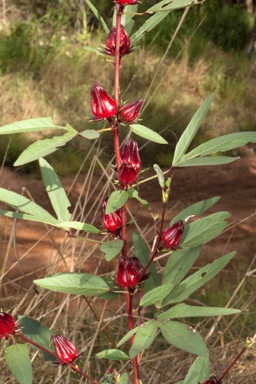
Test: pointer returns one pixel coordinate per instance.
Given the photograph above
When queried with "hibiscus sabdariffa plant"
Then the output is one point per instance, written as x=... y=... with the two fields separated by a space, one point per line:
x=137 y=279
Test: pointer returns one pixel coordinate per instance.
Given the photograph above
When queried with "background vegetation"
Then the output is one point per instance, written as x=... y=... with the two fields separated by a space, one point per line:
x=46 y=70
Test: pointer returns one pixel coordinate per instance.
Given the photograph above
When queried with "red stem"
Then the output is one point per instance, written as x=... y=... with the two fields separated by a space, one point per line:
x=135 y=365
x=74 y=367
x=231 y=365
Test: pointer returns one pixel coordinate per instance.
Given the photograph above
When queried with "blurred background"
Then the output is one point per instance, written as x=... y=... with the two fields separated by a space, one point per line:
x=45 y=70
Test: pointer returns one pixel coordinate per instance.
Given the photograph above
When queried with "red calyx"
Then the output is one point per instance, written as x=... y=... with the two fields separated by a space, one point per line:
x=112 y=222
x=126 y=2
x=65 y=349
x=7 y=325
x=129 y=113
x=131 y=162
x=171 y=236
x=103 y=106
x=129 y=270
x=110 y=48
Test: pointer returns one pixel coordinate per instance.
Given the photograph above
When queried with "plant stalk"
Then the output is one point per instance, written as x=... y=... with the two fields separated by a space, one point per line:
x=135 y=365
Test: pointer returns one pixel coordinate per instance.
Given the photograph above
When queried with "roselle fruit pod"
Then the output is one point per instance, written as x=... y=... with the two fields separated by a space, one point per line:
x=65 y=349
x=130 y=154
x=103 y=106
x=110 y=48
x=129 y=270
x=7 y=325
x=112 y=222
x=127 y=174
x=171 y=236
x=129 y=112
x=126 y=2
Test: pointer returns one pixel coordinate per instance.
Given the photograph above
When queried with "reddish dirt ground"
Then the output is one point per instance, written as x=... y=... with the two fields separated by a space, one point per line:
x=235 y=183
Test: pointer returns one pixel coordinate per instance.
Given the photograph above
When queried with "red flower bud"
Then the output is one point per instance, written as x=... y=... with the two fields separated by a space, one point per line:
x=102 y=105
x=126 y=2
x=65 y=349
x=7 y=325
x=130 y=154
x=127 y=174
x=129 y=112
x=112 y=222
x=110 y=48
x=129 y=270
x=171 y=236
x=212 y=380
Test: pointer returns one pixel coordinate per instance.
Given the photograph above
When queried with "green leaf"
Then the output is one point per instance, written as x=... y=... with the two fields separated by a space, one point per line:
x=18 y=361
x=56 y=192
x=98 y=16
x=171 y=5
x=182 y=337
x=74 y=283
x=205 y=229
x=142 y=253
x=78 y=226
x=151 y=23
x=90 y=134
x=191 y=130
x=147 y=133
x=128 y=17
x=198 y=279
x=133 y=193
x=112 y=248
x=143 y=338
x=94 y=50
x=116 y=200
x=160 y=175
x=156 y=295
x=184 y=310
x=42 y=148
x=195 y=209
x=207 y=160
x=23 y=216
x=31 y=125
x=124 y=378
x=179 y=263
x=127 y=336
x=38 y=333
x=113 y=354
x=27 y=206
x=223 y=144
x=199 y=371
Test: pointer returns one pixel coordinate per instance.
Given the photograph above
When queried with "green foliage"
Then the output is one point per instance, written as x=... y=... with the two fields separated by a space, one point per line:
x=18 y=361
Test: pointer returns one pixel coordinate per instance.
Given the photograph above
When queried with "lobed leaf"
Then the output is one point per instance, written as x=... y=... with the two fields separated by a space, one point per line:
x=182 y=337
x=18 y=361
x=74 y=283
x=27 y=206
x=144 y=338
x=179 y=263
x=128 y=17
x=42 y=148
x=205 y=229
x=56 y=192
x=206 y=160
x=198 y=279
x=31 y=125
x=147 y=133
x=151 y=23
x=112 y=248
x=113 y=354
x=156 y=295
x=116 y=200
x=78 y=226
